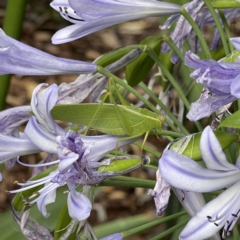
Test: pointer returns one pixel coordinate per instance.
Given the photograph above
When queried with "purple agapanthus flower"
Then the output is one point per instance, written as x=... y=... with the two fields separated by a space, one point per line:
x=90 y=16
x=220 y=81
x=78 y=156
x=91 y=85
x=14 y=143
x=161 y=194
x=184 y=30
x=19 y=58
x=185 y=174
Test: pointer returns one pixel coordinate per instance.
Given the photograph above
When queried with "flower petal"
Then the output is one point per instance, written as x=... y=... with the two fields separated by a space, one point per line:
x=40 y=136
x=66 y=11
x=110 y=13
x=11 y=147
x=114 y=236
x=104 y=144
x=207 y=104
x=214 y=215
x=11 y=119
x=42 y=103
x=79 y=206
x=191 y=201
x=236 y=42
x=161 y=194
x=183 y=173
x=212 y=152
x=22 y=59
x=66 y=160
x=92 y=9
x=47 y=197
x=235 y=89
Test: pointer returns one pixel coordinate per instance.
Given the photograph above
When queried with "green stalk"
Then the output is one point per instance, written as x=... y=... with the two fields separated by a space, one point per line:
x=151 y=166
x=151 y=224
x=161 y=133
x=132 y=90
x=170 y=230
x=227 y=30
x=173 y=46
x=219 y=26
x=12 y=26
x=197 y=31
x=164 y=108
x=169 y=76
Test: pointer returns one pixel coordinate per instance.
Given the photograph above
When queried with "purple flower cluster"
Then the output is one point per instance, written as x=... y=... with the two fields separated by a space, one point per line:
x=78 y=156
x=189 y=180
x=77 y=160
x=220 y=81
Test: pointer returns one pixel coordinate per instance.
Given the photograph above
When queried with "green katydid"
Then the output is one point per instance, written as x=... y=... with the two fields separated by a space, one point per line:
x=111 y=118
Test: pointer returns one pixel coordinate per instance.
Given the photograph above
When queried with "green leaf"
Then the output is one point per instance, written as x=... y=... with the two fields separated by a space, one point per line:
x=166 y=60
x=62 y=225
x=232 y=121
x=114 y=55
x=189 y=145
x=139 y=69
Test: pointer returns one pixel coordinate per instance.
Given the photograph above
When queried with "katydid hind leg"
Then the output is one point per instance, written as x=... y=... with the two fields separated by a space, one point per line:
x=144 y=140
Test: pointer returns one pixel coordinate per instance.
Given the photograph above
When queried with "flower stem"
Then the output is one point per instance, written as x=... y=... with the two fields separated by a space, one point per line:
x=173 y=46
x=227 y=30
x=169 y=76
x=197 y=31
x=12 y=26
x=218 y=24
x=170 y=230
x=148 y=149
x=151 y=224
